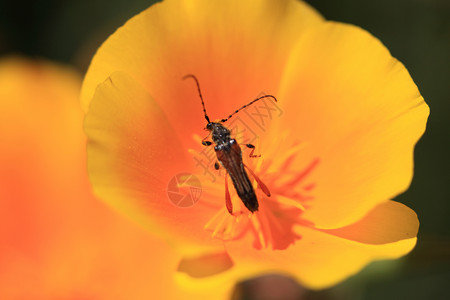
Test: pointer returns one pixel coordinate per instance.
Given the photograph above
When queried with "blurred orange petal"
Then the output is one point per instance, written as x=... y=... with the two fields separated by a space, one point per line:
x=57 y=240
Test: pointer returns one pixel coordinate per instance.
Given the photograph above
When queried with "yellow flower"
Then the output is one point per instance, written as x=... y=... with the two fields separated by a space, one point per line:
x=338 y=145
x=56 y=240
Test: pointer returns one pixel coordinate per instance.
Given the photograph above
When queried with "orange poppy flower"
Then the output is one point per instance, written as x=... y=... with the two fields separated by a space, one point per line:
x=56 y=240
x=335 y=148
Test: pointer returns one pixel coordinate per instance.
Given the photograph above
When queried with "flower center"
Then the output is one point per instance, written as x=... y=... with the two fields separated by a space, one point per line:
x=274 y=222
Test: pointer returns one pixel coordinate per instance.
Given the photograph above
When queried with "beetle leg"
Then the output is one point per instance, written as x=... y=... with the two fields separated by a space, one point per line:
x=206 y=143
x=250 y=146
x=227 y=196
x=261 y=184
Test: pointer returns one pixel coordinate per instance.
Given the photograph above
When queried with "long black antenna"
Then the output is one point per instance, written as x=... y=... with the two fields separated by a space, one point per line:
x=199 y=93
x=257 y=99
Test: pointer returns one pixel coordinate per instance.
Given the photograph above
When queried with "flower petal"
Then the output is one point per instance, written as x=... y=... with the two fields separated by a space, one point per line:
x=325 y=257
x=133 y=155
x=388 y=222
x=357 y=109
x=236 y=49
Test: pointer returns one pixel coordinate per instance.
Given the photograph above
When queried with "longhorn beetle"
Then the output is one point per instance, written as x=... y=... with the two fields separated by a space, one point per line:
x=230 y=156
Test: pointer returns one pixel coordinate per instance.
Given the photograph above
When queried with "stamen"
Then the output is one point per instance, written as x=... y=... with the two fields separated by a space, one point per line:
x=287 y=158
x=290 y=202
x=310 y=186
x=192 y=151
x=303 y=174
x=259 y=233
x=272 y=222
x=220 y=228
x=198 y=139
x=214 y=221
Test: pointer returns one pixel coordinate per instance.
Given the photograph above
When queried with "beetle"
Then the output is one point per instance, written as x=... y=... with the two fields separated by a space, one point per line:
x=229 y=155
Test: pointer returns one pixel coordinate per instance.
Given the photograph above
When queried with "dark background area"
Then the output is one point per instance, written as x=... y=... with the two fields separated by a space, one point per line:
x=417 y=32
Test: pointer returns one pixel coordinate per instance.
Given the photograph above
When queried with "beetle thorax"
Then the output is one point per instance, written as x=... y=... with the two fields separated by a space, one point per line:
x=220 y=134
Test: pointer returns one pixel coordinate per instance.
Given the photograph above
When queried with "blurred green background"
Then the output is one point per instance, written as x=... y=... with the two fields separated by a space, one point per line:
x=417 y=32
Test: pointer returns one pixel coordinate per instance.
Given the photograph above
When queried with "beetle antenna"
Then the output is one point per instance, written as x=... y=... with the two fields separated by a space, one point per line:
x=248 y=104
x=199 y=93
